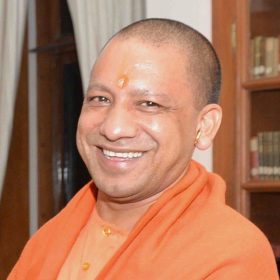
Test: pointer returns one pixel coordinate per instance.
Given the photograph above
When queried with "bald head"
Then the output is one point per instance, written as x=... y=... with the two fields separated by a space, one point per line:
x=202 y=65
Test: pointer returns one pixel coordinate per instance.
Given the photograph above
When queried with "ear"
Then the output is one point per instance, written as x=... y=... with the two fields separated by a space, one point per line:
x=208 y=124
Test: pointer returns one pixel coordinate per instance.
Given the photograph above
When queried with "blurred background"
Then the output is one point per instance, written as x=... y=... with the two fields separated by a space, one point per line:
x=47 y=49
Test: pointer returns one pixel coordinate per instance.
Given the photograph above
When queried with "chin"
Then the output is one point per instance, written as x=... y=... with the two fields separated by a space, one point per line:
x=115 y=191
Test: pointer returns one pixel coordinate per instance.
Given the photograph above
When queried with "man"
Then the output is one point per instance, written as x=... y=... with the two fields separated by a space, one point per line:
x=152 y=212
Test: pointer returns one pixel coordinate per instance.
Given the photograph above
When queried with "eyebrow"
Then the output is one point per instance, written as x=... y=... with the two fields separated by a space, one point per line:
x=136 y=92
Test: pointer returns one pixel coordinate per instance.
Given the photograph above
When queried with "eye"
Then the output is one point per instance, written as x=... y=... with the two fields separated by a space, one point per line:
x=98 y=100
x=149 y=104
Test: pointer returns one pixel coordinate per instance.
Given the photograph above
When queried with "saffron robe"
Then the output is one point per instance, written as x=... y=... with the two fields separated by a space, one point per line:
x=95 y=245
x=188 y=233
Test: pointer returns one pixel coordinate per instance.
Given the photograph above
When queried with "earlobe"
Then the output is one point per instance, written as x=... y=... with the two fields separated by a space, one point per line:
x=208 y=125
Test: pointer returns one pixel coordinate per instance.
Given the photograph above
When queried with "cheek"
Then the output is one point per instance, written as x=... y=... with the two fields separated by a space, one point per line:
x=156 y=126
x=88 y=120
x=80 y=138
x=173 y=132
x=85 y=126
x=162 y=129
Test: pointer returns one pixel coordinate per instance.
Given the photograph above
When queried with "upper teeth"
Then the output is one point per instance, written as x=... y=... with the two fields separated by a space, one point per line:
x=122 y=155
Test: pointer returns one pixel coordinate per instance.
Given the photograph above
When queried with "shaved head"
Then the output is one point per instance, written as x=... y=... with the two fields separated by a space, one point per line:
x=203 y=70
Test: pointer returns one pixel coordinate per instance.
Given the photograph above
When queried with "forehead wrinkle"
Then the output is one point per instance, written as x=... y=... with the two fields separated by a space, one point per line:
x=147 y=92
x=134 y=92
x=99 y=87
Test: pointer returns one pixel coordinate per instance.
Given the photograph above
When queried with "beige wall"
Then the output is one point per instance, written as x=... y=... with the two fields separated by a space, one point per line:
x=197 y=14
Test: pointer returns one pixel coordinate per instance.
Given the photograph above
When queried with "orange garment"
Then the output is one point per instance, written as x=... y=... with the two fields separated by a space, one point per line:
x=188 y=233
x=96 y=244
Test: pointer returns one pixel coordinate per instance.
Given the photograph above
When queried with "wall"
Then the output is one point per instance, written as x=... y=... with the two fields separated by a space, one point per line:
x=197 y=14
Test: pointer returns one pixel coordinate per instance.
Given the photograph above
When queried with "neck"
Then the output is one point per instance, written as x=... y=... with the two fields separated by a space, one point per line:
x=126 y=214
x=123 y=215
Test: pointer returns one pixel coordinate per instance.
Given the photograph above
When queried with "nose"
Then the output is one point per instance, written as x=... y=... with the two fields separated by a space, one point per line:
x=118 y=123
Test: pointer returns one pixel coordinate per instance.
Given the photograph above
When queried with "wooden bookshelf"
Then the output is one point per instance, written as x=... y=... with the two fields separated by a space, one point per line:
x=250 y=105
x=262 y=84
x=262 y=186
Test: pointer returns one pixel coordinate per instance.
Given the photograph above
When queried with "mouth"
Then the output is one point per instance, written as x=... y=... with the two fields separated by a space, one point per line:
x=122 y=155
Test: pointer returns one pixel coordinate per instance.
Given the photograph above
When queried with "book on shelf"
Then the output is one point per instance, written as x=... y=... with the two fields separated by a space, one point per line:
x=265 y=156
x=265 y=57
x=254 y=158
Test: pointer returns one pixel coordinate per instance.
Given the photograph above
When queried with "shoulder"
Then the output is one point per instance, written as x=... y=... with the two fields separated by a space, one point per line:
x=242 y=247
x=229 y=242
x=67 y=212
x=239 y=229
x=58 y=230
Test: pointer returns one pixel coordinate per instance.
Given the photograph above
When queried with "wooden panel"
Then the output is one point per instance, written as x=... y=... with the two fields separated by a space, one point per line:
x=46 y=67
x=14 y=227
x=265 y=17
x=51 y=129
x=265 y=214
x=50 y=43
x=224 y=145
x=48 y=21
x=265 y=111
x=264 y=5
x=47 y=17
x=262 y=186
x=256 y=104
x=66 y=21
x=263 y=83
x=56 y=48
x=265 y=23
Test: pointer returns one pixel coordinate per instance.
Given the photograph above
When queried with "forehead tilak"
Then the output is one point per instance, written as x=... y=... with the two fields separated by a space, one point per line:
x=122 y=81
x=123 y=78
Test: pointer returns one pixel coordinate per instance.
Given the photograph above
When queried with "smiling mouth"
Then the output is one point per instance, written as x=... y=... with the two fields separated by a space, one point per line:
x=122 y=155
